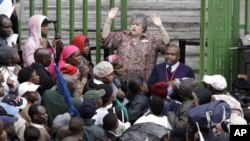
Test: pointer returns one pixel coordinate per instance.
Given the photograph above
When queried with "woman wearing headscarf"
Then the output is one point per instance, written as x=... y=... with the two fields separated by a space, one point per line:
x=137 y=49
x=82 y=42
x=69 y=61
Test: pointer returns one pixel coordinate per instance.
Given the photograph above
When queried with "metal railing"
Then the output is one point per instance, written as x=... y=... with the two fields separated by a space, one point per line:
x=220 y=28
x=123 y=7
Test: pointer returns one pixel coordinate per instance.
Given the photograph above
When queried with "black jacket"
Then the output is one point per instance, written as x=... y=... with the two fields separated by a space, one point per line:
x=137 y=107
x=46 y=81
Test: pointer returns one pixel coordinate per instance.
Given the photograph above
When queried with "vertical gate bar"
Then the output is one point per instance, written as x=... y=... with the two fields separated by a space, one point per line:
x=235 y=38
x=210 y=56
x=58 y=15
x=247 y=6
x=98 y=31
x=45 y=7
x=71 y=20
x=226 y=29
x=216 y=36
x=85 y=17
x=32 y=7
x=20 y=24
x=124 y=7
x=202 y=38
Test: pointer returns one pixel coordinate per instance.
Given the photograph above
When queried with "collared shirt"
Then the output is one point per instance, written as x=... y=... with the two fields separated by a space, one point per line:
x=39 y=126
x=173 y=67
x=138 y=56
x=97 y=81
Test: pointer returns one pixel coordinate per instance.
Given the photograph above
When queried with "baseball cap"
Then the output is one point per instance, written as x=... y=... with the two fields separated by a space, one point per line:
x=10 y=110
x=8 y=119
x=216 y=81
x=87 y=109
x=61 y=120
x=27 y=87
x=94 y=94
x=15 y=101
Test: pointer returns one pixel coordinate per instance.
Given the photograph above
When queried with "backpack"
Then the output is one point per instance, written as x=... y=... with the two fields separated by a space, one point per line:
x=219 y=110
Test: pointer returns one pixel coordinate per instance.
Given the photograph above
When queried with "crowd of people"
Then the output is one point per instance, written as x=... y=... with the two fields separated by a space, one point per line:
x=57 y=93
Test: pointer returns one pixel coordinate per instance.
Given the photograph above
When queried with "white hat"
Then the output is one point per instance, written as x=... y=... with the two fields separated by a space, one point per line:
x=102 y=69
x=216 y=81
x=238 y=120
x=27 y=87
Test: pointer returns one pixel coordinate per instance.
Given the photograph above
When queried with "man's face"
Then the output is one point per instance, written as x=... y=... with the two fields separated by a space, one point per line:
x=45 y=30
x=107 y=79
x=42 y=116
x=6 y=27
x=171 y=55
x=32 y=96
x=15 y=59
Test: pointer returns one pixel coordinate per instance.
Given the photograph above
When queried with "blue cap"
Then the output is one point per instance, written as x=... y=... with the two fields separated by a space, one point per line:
x=10 y=110
x=87 y=109
x=8 y=119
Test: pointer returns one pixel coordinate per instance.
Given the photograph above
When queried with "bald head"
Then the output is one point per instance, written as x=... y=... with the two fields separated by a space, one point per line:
x=42 y=56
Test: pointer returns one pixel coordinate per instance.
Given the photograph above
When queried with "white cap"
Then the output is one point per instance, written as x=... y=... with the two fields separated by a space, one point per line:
x=27 y=87
x=216 y=81
x=102 y=69
x=238 y=120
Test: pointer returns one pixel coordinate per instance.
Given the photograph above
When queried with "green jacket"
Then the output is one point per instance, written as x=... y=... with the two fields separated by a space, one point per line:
x=54 y=103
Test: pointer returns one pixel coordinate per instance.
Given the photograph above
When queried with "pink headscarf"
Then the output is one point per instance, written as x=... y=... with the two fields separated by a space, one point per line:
x=66 y=53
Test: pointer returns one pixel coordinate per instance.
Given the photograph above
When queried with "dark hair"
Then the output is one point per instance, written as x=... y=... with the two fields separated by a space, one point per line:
x=108 y=92
x=33 y=110
x=2 y=16
x=25 y=74
x=156 y=105
x=178 y=134
x=134 y=85
x=45 y=22
x=241 y=85
x=172 y=45
x=76 y=125
x=110 y=121
x=246 y=112
x=31 y=134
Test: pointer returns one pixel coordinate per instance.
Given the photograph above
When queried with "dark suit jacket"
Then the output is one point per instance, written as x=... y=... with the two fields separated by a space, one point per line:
x=159 y=73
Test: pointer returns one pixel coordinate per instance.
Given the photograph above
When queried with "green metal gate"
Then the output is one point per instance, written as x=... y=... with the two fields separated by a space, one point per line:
x=220 y=31
x=123 y=9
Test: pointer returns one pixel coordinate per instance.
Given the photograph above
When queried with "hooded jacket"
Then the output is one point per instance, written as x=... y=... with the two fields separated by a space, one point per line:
x=34 y=40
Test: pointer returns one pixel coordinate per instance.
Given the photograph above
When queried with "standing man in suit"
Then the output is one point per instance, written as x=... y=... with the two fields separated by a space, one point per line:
x=171 y=68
